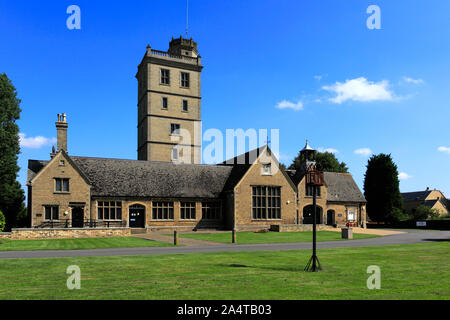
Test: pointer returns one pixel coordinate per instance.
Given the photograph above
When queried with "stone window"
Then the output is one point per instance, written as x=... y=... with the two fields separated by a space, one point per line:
x=174 y=128
x=184 y=77
x=61 y=185
x=266 y=202
x=309 y=190
x=174 y=153
x=165 y=76
x=51 y=212
x=109 y=210
x=187 y=210
x=162 y=210
x=211 y=210
x=267 y=169
x=185 y=105
x=165 y=103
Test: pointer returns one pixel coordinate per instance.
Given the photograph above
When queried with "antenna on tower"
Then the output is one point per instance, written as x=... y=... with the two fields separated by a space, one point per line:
x=187 y=17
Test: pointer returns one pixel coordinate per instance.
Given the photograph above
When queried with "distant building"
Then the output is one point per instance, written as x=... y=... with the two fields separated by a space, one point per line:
x=153 y=192
x=433 y=199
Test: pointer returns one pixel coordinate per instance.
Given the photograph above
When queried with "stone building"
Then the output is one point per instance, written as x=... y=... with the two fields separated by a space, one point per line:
x=433 y=199
x=157 y=192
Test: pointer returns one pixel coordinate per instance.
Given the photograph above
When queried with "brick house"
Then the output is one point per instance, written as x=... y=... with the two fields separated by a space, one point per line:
x=157 y=192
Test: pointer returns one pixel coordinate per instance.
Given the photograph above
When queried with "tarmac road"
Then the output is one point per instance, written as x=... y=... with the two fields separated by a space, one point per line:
x=411 y=236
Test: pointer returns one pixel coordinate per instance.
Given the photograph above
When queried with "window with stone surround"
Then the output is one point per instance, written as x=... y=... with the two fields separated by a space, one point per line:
x=51 y=212
x=187 y=210
x=266 y=202
x=185 y=105
x=61 y=185
x=211 y=210
x=109 y=210
x=165 y=103
x=162 y=210
x=184 y=79
x=165 y=76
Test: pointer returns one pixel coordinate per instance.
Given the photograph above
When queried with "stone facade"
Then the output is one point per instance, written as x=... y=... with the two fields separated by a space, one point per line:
x=42 y=192
x=434 y=199
x=112 y=192
x=155 y=141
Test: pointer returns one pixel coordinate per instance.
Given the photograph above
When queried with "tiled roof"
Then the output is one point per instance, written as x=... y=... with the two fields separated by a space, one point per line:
x=342 y=188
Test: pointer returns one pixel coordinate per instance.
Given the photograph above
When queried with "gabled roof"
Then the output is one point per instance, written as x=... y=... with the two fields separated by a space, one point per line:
x=134 y=178
x=430 y=203
x=416 y=196
x=342 y=188
x=34 y=166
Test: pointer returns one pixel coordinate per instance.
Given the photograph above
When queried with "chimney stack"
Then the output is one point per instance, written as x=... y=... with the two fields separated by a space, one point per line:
x=61 y=130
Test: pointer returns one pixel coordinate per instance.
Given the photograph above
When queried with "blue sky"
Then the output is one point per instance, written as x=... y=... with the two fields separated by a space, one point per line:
x=342 y=86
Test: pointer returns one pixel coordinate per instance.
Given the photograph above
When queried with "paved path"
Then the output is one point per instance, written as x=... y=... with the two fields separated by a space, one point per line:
x=411 y=236
x=156 y=236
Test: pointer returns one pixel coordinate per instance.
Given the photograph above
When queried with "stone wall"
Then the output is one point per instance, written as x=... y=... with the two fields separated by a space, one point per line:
x=72 y=233
x=296 y=227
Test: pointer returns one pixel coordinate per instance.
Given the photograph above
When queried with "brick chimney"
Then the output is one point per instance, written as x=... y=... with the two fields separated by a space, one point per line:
x=61 y=131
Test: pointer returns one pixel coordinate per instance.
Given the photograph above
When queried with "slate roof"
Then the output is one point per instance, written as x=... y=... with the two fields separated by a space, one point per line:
x=134 y=178
x=342 y=188
x=415 y=196
x=34 y=166
x=430 y=203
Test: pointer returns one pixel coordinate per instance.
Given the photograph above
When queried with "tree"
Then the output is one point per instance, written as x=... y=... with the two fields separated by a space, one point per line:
x=381 y=189
x=11 y=193
x=325 y=161
x=2 y=221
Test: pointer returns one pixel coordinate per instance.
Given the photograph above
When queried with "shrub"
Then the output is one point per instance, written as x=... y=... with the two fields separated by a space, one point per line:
x=2 y=221
x=423 y=213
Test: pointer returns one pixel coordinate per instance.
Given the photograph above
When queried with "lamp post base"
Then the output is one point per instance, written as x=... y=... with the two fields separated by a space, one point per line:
x=313 y=264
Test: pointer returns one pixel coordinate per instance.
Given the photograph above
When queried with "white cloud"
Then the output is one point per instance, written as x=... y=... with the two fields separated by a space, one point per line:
x=318 y=78
x=330 y=150
x=363 y=152
x=289 y=105
x=413 y=81
x=444 y=149
x=35 y=142
x=404 y=176
x=360 y=89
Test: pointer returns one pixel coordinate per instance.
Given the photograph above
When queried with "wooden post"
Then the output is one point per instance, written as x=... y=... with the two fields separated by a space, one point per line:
x=175 y=238
x=233 y=234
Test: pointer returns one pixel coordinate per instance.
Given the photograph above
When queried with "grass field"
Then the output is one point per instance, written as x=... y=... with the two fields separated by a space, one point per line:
x=272 y=237
x=419 y=271
x=77 y=244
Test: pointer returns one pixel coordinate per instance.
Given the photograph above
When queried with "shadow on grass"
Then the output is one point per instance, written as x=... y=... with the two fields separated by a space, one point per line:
x=289 y=268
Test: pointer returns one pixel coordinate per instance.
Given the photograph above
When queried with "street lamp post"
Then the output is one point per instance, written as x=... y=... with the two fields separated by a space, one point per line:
x=314 y=180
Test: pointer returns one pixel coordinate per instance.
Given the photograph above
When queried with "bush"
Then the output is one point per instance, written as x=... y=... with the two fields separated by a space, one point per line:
x=2 y=221
x=424 y=213
x=397 y=215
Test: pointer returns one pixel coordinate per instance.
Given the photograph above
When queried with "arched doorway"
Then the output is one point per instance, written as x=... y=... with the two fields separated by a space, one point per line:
x=331 y=217
x=308 y=214
x=136 y=216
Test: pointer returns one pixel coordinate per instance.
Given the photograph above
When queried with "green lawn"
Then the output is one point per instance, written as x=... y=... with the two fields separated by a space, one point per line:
x=272 y=237
x=77 y=244
x=419 y=271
